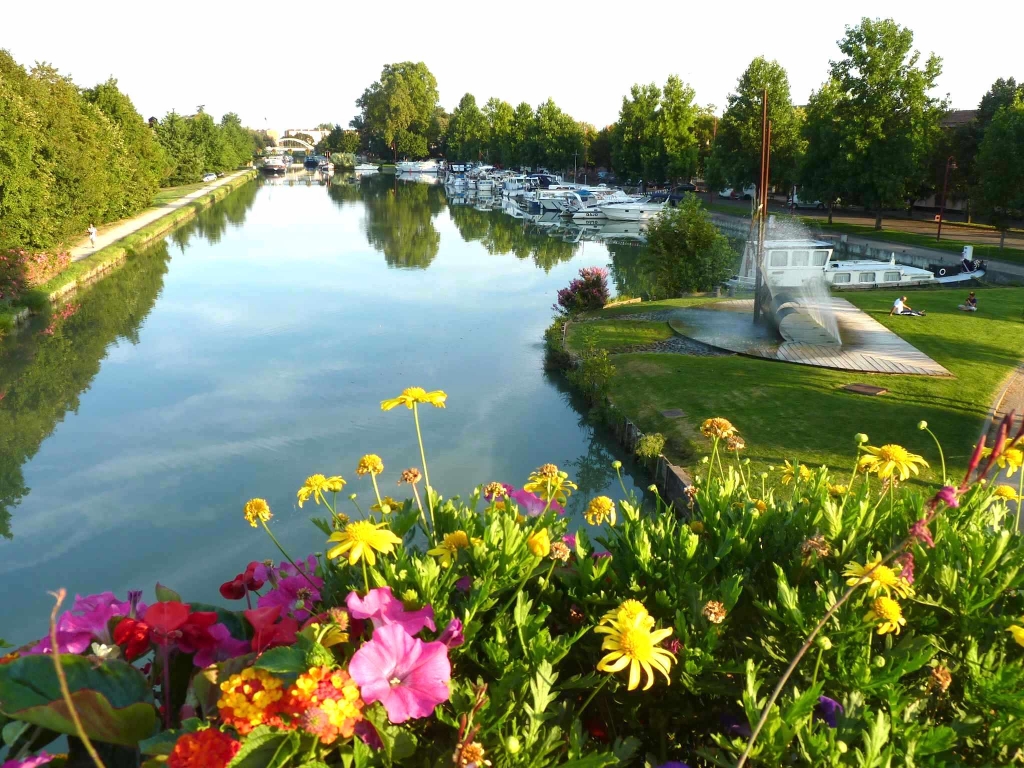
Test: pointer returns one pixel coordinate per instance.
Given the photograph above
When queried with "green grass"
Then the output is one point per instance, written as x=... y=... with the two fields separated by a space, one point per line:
x=170 y=194
x=788 y=411
x=649 y=306
x=616 y=335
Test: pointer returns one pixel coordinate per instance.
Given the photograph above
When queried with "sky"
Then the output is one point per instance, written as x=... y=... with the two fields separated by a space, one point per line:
x=280 y=66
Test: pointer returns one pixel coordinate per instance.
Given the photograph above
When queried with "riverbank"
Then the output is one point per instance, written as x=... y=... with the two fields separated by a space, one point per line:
x=793 y=408
x=116 y=243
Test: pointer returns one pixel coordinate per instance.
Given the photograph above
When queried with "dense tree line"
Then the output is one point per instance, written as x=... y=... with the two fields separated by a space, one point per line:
x=71 y=157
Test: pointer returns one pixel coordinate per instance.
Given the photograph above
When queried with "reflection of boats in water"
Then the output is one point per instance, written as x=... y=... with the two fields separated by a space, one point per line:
x=621 y=231
x=419 y=178
x=365 y=168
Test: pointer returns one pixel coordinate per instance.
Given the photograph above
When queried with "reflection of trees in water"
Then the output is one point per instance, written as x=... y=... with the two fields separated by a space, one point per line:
x=41 y=377
x=630 y=270
x=500 y=234
x=211 y=223
x=399 y=220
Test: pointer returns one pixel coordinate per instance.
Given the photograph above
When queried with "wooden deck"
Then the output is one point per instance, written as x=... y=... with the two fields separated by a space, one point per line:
x=868 y=346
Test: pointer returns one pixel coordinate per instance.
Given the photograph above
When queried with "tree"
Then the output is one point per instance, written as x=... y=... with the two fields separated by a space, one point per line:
x=467 y=131
x=185 y=159
x=399 y=110
x=236 y=147
x=686 y=252
x=500 y=118
x=637 y=147
x=823 y=170
x=1001 y=167
x=705 y=127
x=678 y=118
x=738 y=139
x=522 y=129
x=601 y=148
x=557 y=139
x=889 y=120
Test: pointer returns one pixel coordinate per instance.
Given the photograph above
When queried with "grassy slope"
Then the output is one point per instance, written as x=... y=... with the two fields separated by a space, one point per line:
x=615 y=335
x=788 y=411
x=170 y=194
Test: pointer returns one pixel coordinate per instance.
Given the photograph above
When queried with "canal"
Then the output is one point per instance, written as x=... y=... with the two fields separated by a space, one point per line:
x=251 y=348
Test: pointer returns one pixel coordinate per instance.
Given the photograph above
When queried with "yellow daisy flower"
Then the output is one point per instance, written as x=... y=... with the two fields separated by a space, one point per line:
x=599 y=509
x=1018 y=633
x=1005 y=492
x=717 y=428
x=887 y=613
x=890 y=460
x=370 y=464
x=448 y=550
x=835 y=491
x=257 y=509
x=628 y=610
x=413 y=395
x=387 y=501
x=317 y=485
x=634 y=643
x=550 y=484
x=881 y=578
x=360 y=541
x=790 y=473
x=1010 y=459
x=539 y=543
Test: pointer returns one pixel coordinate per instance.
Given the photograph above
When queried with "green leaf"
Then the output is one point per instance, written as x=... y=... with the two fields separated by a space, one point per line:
x=113 y=700
x=598 y=760
x=266 y=748
x=163 y=742
x=283 y=660
x=936 y=740
x=166 y=594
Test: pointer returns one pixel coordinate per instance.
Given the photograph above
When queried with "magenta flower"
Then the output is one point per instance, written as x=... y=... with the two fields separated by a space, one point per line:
x=464 y=584
x=570 y=541
x=406 y=675
x=226 y=648
x=828 y=710
x=920 y=531
x=88 y=620
x=532 y=504
x=295 y=595
x=452 y=636
x=383 y=609
x=32 y=761
x=946 y=495
x=906 y=562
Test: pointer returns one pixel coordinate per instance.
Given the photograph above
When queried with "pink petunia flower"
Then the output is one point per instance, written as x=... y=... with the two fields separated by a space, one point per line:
x=532 y=504
x=226 y=648
x=408 y=676
x=382 y=608
x=452 y=636
x=88 y=619
x=32 y=761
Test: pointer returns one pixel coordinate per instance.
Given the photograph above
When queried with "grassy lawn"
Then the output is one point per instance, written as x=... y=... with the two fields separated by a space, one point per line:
x=794 y=411
x=616 y=335
x=170 y=194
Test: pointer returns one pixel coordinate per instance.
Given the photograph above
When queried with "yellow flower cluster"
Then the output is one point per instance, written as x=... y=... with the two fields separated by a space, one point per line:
x=632 y=641
x=387 y=501
x=361 y=540
x=1017 y=632
x=878 y=577
x=317 y=485
x=550 y=484
x=249 y=698
x=413 y=395
x=890 y=461
x=887 y=613
x=790 y=473
x=717 y=428
x=370 y=464
x=448 y=550
x=600 y=509
x=1010 y=459
x=257 y=509
x=326 y=703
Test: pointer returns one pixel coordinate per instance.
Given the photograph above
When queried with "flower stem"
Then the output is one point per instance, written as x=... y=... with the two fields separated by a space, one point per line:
x=593 y=693
x=711 y=463
x=618 y=474
x=519 y=587
x=817 y=666
x=287 y=557
x=423 y=517
x=366 y=578
x=547 y=577
x=942 y=456
x=165 y=661
x=376 y=491
x=426 y=474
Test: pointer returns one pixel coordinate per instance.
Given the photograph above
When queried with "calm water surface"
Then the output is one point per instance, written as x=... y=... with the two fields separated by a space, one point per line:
x=252 y=348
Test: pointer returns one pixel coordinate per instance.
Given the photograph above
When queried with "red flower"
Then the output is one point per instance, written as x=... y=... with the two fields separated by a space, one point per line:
x=195 y=632
x=134 y=636
x=243 y=582
x=209 y=748
x=266 y=633
x=166 y=620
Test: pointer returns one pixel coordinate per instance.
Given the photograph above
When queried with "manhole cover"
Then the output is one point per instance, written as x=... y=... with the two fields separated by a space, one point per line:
x=673 y=413
x=865 y=389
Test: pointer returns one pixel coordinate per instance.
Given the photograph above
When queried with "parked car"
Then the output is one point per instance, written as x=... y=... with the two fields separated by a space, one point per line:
x=796 y=202
x=747 y=193
x=210 y=177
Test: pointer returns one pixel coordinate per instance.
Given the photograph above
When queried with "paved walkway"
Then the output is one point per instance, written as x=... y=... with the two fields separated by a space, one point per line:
x=111 y=233
x=1010 y=397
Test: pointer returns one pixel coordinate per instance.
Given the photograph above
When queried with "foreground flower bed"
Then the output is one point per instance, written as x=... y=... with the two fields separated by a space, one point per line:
x=480 y=632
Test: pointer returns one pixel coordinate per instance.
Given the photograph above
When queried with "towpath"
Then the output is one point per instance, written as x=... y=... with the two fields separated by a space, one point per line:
x=1010 y=399
x=111 y=233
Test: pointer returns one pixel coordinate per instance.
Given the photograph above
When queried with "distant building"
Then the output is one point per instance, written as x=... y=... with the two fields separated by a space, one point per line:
x=315 y=133
x=957 y=118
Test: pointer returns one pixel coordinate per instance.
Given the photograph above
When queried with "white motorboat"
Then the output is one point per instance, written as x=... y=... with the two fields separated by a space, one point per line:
x=418 y=166
x=274 y=164
x=641 y=210
x=366 y=168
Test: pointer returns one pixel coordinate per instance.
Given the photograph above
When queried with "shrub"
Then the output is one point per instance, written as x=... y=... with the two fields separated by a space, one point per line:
x=587 y=292
x=650 y=446
x=686 y=252
x=21 y=269
x=593 y=373
x=639 y=639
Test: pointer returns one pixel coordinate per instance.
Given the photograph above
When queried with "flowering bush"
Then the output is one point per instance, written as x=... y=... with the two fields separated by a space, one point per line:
x=587 y=292
x=647 y=637
x=20 y=269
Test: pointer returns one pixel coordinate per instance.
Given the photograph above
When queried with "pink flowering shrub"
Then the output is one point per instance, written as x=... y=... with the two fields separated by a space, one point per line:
x=21 y=269
x=587 y=292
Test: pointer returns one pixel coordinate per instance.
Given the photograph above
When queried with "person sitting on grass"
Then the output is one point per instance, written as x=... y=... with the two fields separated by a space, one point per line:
x=971 y=305
x=900 y=307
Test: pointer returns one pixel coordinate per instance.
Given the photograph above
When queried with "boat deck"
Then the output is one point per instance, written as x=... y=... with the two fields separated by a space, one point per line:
x=868 y=346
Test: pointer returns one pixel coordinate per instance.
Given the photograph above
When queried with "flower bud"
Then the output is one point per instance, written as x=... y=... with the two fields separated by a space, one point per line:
x=652 y=488
x=616 y=464
x=824 y=643
x=922 y=424
x=861 y=438
x=705 y=459
x=512 y=745
x=352 y=496
x=879 y=661
x=841 y=746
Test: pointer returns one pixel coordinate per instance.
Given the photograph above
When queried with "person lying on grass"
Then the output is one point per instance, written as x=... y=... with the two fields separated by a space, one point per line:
x=900 y=307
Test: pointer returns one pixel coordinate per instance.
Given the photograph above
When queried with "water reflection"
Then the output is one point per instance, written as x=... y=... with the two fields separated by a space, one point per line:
x=211 y=223
x=399 y=220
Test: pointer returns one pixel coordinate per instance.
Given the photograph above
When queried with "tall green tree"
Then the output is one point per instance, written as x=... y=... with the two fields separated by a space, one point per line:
x=1001 y=167
x=738 y=140
x=557 y=138
x=467 y=131
x=890 y=119
x=185 y=159
x=399 y=110
x=678 y=118
x=500 y=117
x=824 y=171
x=522 y=130
x=705 y=127
x=601 y=148
x=637 y=146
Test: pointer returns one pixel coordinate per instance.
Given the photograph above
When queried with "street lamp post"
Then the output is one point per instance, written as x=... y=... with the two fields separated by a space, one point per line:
x=950 y=163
